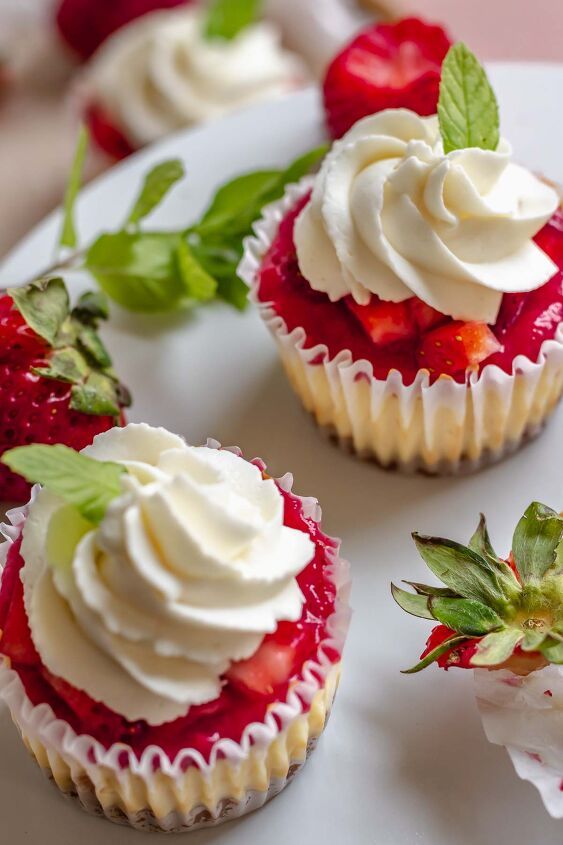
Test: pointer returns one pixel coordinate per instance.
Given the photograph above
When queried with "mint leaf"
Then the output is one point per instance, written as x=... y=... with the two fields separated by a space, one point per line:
x=199 y=284
x=227 y=18
x=44 y=305
x=157 y=184
x=68 y=233
x=303 y=165
x=81 y=481
x=238 y=203
x=467 y=108
x=138 y=270
x=536 y=540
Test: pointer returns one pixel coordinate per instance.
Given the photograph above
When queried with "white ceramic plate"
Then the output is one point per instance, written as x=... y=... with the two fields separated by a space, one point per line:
x=404 y=759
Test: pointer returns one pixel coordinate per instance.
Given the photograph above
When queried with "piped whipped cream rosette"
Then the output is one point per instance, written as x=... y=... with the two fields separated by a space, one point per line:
x=162 y=599
x=415 y=286
x=504 y=618
x=165 y=72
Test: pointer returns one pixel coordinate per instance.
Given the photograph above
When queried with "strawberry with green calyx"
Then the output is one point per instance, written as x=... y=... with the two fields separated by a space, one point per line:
x=494 y=613
x=56 y=376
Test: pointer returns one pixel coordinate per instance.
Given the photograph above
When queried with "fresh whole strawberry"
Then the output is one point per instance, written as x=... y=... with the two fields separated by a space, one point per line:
x=56 y=380
x=85 y=24
x=395 y=65
x=493 y=613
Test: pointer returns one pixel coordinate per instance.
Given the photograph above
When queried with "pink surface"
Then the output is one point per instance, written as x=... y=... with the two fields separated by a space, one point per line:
x=499 y=29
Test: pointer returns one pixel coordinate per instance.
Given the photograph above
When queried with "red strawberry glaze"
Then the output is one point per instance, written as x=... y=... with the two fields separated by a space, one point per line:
x=227 y=716
x=387 y=66
x=105 y=133
x=525 y=320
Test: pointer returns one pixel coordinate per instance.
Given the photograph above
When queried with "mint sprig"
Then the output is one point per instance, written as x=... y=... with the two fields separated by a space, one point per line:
x=228 y=18
x=163 y=271
x=68 y=235
x=89 y=485
x=467 y=108
x=156 y=185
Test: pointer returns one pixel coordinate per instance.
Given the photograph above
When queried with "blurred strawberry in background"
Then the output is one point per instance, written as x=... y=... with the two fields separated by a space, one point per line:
x=393 y=65
x=85 y=24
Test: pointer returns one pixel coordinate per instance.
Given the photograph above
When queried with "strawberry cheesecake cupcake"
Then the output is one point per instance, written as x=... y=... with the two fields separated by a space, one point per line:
x=504 y=618
x=415 y=287
x=171 y=627
x=168 y=70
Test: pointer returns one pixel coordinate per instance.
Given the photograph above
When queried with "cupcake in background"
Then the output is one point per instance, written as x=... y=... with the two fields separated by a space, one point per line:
x=85 y=24
x=414 y=288
x=171 y=627
x=174 y=69
x=504 y=619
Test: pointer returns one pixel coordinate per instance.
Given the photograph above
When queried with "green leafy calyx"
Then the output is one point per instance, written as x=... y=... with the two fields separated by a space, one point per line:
x=491 y=604
x=77 y=355
x=467 y=107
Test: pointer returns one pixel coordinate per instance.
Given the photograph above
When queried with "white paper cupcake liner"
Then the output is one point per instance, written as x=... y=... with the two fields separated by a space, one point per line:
x=155 y=793
x=440 y=428
x=526 y=716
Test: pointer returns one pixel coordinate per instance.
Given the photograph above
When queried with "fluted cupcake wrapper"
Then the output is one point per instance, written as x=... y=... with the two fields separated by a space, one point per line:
x=526 y=716
x=156 y=793
x=440 y=428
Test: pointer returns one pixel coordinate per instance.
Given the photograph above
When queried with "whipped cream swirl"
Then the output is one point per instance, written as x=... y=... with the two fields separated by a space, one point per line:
x=160 y=73
x=392 y=215
x=190 y=568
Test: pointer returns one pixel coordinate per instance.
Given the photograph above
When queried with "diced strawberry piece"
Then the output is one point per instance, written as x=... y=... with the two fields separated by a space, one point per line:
x=394 y=65
x=384 y=322
x=425 y=316
x=456 y=347
x=271 y=665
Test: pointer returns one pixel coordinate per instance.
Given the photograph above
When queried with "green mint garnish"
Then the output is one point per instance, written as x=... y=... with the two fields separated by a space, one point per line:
x=467 y=109
x=227 y=18
x=68 y=232
x=83 y=482
x=157 y=184
x=484 y=603
x=165 y=271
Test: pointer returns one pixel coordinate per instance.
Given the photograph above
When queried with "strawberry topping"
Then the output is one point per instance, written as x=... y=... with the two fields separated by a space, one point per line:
x=457 y=347
x=387 y=66
x=411 y=336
